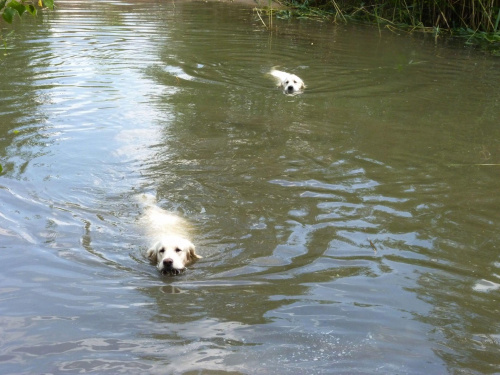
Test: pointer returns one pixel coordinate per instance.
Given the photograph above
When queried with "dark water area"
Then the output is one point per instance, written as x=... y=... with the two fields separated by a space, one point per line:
x=351 y=229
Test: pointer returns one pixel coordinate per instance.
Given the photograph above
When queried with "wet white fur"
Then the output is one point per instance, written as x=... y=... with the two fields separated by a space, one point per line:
x=172 y=250
x=290 y=83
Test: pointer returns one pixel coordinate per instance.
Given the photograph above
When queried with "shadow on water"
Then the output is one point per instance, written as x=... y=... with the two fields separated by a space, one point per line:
x=349 y=229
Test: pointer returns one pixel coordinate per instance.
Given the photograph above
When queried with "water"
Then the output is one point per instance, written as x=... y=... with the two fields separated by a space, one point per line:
x=352 y=229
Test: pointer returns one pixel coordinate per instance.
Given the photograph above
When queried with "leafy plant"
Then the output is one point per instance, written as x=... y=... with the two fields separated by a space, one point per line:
x=9 y=8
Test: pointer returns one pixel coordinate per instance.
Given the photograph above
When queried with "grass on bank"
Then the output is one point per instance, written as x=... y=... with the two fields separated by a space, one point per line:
x=477 y=20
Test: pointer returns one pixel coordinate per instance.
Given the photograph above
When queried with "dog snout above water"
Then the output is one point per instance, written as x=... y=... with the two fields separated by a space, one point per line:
x=172 y=254
x=168 y=266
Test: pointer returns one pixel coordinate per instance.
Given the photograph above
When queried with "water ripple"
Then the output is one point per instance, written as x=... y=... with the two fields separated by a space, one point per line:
x=340 y=229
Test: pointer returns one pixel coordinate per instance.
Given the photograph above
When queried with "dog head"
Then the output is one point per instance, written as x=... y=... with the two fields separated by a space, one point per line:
x=292 y=84
x=172 y=254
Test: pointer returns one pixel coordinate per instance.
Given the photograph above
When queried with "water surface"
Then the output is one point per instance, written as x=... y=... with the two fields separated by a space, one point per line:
x=352 y=229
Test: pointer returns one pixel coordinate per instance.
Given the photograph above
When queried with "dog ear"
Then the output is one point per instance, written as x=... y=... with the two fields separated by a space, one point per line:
x=152 y=253
x=192 y=253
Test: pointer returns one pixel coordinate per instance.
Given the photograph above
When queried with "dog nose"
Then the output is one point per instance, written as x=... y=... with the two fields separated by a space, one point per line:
x=289 y=88
x=168 y=262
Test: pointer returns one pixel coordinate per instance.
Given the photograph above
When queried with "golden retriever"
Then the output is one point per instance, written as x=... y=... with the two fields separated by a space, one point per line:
x=172 y=250
x=290 y=83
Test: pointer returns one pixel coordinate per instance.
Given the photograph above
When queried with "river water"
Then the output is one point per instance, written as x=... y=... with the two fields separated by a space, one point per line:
x=351 y=229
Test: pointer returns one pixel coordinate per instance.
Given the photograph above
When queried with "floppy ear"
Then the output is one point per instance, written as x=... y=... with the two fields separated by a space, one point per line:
x=152 y=254
x=192 y=253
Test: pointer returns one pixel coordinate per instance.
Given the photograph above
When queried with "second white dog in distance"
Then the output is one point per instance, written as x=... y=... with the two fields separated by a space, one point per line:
x=290 y=83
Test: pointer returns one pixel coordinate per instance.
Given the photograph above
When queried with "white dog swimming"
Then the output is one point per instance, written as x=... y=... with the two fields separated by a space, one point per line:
x=290 y=83
x=172 y=250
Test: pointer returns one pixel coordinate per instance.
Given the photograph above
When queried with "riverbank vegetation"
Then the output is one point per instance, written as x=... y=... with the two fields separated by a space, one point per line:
x=478 y=19
x=9 y=8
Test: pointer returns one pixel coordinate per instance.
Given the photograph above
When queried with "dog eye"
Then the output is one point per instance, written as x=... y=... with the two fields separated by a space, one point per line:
x=162 y=250
x=294 y=81
x=177 y=250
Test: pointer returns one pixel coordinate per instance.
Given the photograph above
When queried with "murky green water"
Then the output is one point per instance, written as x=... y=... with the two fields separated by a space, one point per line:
x=352 y=229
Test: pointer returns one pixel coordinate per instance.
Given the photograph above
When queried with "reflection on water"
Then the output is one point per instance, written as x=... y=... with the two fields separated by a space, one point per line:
x=349 y=229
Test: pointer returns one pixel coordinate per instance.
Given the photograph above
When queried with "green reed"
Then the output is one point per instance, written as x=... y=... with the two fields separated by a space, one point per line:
x=476 y=16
